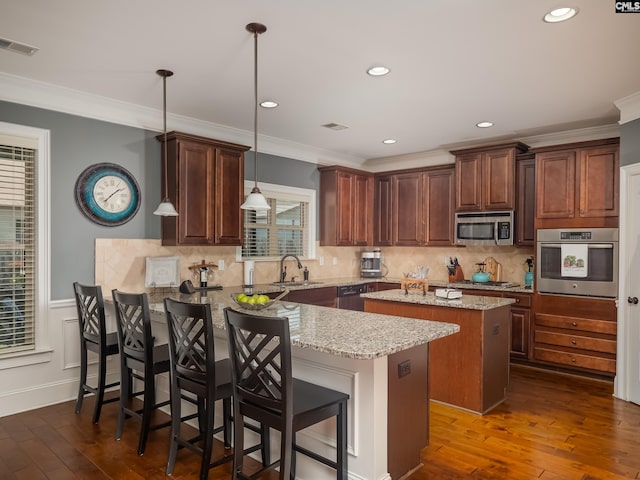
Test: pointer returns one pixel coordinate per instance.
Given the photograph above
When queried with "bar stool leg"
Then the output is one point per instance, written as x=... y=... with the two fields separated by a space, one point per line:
x=83 y=378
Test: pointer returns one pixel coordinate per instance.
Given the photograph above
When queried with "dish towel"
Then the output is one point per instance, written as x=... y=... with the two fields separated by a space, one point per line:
x=575 y=257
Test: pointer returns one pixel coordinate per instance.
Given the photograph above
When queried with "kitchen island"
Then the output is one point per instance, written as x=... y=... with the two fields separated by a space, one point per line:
x=357 y=353
x=469 y=370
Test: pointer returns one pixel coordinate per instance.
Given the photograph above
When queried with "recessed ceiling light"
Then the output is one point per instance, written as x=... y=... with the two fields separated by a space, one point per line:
x=268 y=104
x=378 y=71
x=560 y=14
x=389 y=141
x=484 y=124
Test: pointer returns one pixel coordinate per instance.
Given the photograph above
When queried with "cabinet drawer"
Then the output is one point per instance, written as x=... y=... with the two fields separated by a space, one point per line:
x=576 y=341
x=574 y=323
x=601 y=364
x=523 y=300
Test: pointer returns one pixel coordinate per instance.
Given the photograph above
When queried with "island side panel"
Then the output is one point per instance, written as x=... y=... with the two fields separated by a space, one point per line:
x=464 y=369
x=408 y=409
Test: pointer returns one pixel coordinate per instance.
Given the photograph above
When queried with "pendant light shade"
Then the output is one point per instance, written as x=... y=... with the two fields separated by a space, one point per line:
x=166 y=208
x=255 y=200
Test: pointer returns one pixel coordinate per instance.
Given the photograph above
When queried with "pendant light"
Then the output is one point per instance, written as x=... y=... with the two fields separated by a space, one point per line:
x=166 y=208
x=255 y=200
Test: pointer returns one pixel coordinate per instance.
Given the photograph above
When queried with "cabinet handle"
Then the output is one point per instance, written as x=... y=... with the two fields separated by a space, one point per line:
x=632 y=300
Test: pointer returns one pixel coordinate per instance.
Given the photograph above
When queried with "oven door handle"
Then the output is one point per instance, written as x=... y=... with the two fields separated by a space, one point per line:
x=589 y=245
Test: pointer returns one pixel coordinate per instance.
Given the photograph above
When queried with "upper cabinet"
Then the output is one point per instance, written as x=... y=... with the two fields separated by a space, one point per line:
x=206 y=185
x=485 y=177
x=414 y=207
x=577 y=185
x=346 y=207
x=525 y=199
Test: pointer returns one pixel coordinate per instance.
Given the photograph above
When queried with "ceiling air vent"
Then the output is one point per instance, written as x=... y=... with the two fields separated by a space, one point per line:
x=17 y=47
x=335 y=126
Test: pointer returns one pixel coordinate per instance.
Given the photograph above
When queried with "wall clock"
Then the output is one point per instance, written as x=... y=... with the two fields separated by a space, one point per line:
x=107 y=194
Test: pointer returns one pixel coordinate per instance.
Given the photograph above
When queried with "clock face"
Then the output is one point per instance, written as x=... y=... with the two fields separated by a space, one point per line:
x=107 y=194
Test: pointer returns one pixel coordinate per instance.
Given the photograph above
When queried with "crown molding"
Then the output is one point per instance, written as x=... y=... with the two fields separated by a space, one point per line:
x=629 y=107
x=572 y=136
x=38 y=94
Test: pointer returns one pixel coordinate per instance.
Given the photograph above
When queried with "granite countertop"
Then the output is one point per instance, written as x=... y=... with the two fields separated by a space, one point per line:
x=345 y=333
x=337 y=282
x=468 y=302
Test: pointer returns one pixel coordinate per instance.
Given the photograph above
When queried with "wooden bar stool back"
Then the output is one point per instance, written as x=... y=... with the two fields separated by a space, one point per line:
x=94 y=337
x=141 y=359
x=265 y=390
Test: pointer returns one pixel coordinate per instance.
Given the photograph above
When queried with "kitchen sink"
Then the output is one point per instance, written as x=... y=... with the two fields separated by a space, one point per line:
x=295 y=284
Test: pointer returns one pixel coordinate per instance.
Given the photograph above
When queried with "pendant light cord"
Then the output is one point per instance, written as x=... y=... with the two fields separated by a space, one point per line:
x=255 y=109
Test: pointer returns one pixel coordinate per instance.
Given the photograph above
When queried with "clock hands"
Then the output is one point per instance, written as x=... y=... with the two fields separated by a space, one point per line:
x=107 y=199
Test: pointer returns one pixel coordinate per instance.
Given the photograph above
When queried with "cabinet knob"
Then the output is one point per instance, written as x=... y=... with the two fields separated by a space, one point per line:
x=517 y=300
x=573 y=360
x=632 y=300
x=573 y=342
x=574 y=324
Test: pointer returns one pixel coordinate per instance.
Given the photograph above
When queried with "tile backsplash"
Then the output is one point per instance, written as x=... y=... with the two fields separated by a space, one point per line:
x=121 y=263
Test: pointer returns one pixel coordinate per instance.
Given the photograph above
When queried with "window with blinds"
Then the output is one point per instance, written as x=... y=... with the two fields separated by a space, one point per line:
x=272 y=233
x=17 y=247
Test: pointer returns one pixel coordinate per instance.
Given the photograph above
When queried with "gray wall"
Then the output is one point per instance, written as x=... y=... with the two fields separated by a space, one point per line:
x=78 y=142
x=629 y=143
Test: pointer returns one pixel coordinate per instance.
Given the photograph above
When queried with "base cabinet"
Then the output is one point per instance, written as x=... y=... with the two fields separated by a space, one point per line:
x=575 y=333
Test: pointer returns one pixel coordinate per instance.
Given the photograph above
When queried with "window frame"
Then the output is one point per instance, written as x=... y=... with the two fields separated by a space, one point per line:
x=285 y=192
x=42 y=351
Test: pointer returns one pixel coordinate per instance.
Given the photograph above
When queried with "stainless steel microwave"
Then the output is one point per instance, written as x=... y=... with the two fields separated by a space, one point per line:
x=484 y=228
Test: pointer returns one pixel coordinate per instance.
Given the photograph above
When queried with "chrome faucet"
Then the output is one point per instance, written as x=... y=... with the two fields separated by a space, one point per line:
x=283 y=269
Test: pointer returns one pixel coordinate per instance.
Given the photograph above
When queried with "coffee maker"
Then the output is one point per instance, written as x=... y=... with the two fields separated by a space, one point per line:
x=371 y=264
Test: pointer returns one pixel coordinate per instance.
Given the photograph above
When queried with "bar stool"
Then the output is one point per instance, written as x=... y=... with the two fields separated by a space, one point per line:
x=194 y=369
x=94 y=337
x=140 y=359
x=264 y=390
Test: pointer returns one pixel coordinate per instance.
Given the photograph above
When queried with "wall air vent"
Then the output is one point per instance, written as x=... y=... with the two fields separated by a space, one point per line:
x=17 y=47
x=335 y=126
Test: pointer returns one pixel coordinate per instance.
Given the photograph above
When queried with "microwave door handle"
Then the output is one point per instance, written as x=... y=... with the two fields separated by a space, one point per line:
x=495 y=232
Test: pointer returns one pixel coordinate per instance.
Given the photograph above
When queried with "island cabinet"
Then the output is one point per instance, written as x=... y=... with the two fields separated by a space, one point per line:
x=485 y=177
x=346 y=207
x=415 y=207
x=576 y=334
x=205 y=181
x=520 y=320
x=469 y=370
x=577 y=185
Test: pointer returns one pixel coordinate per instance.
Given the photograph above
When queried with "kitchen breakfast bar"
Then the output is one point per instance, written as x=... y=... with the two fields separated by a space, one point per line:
x=403 y=351
x=381 y=361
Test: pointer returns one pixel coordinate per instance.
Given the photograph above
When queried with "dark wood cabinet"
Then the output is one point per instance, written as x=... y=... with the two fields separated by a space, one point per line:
x=383 y=225
x=438 y=188
x=485 y=177
x=525 y=199
x=415 y=207
x=575 y=333
x=406 y=216
x=321 y=296
x=577 y=185
x=346 y=207
x=205 y=180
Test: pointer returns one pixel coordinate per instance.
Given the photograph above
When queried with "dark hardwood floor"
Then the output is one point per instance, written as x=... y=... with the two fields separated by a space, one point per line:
x=551 y=427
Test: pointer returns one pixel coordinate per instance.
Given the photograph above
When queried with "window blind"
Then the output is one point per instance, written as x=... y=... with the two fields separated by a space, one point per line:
x=17 y=248
x=272 y=233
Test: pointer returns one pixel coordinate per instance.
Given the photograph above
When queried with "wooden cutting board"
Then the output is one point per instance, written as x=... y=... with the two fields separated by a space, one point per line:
x=495 y=268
